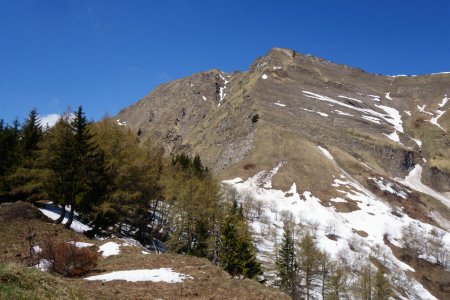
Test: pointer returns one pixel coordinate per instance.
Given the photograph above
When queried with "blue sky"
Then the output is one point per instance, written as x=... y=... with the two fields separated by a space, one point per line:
x=106 y=55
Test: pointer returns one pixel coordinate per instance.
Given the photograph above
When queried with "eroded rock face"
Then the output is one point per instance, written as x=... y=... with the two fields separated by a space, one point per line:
x=370 y=123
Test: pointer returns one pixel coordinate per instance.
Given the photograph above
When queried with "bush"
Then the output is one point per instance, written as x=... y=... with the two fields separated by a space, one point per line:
x=67 y=259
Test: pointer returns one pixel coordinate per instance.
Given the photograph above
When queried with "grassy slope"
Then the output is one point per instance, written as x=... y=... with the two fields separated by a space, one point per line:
x=19 y=282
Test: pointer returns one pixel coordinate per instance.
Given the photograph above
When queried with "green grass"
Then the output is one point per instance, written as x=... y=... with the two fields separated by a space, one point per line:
x=19 y=282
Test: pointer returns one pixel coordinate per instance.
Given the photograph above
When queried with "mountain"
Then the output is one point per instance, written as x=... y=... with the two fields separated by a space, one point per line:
x=356 y=155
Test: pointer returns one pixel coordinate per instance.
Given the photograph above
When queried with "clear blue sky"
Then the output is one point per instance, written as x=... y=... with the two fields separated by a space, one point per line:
x=108 y=54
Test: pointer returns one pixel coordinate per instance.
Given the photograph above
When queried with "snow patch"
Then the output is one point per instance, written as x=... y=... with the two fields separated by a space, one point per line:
x=418 y=142
x=75 y=226
x=81 y=244
x=343 y=113
x=413 y=180
x=109 y=248
x=279 y=104
x=345 y=97
x=393 y=136
x=443 y=102
x=264 y=76
x=388 y=96
x=326 y=153
x=154 y=275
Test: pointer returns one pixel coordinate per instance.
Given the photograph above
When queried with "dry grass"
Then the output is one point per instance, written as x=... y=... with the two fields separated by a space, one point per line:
x=19 y=282
x=209 y=281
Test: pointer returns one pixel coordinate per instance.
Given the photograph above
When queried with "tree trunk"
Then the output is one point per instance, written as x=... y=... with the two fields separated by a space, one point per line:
x=69 y=221
x=62 y=215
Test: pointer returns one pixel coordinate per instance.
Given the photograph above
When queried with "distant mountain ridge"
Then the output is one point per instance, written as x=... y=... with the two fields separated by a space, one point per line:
x=307 y=135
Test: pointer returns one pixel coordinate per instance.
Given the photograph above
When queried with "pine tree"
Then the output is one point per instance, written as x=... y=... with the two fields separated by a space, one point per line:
x=31 y=134
x=26 y=181
x=89 y=183
x=286 y=264
x=237 y=253
x=77 y=166
x=58 y=154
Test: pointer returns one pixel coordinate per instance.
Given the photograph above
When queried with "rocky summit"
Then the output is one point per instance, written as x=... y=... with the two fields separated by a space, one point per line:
x=357 y=156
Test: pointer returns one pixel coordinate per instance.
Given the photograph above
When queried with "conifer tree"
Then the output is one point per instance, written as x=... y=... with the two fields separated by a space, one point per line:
x=287 y=270
x=237 y=253
x=26 y=181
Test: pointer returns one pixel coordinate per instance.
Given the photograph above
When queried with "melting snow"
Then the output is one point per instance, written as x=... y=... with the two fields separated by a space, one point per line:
x=109 y=248
x=75 y=226
x=389 y=187
x=264 y=76
x=43 y=265
x=154 y=275
x=81 y=244
x=393 y=116
x=37 y=249
x=388 y=96
x=279 y=104
x=418 y=142
x=343 y=113
x=372 y=119
x=317 y=112
x=413 y=180
x=407 y=112
x=375 y=97
x=374 y=216
x=393 y=136
x=204 y=98
x=395 y=119
x=434 y=120
x=345 y=97
x=222 y=89
x=422 y=109
x=443 y=102
x=326 y=153
x=121 y=123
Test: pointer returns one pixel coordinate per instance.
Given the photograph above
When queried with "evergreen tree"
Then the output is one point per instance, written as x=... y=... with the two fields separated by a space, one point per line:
x=31 y=134
x=89 y=183
x=9 y=154
x=77 y=166
x=26 y=181
x=237 y=253
x=58 y=154
x=287 y=270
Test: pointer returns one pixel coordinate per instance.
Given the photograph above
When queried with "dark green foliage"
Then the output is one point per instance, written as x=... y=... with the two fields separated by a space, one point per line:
x=237 y=253
x=287 y=269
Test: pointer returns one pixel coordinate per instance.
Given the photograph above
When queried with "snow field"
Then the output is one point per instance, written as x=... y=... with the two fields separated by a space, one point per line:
x=374 y=217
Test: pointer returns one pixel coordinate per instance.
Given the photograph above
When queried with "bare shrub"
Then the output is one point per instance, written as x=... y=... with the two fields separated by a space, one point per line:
x=249 y=166
x=67 y=259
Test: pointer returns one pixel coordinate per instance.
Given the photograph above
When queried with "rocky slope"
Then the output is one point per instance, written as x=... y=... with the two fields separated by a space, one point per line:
x=333 y=136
